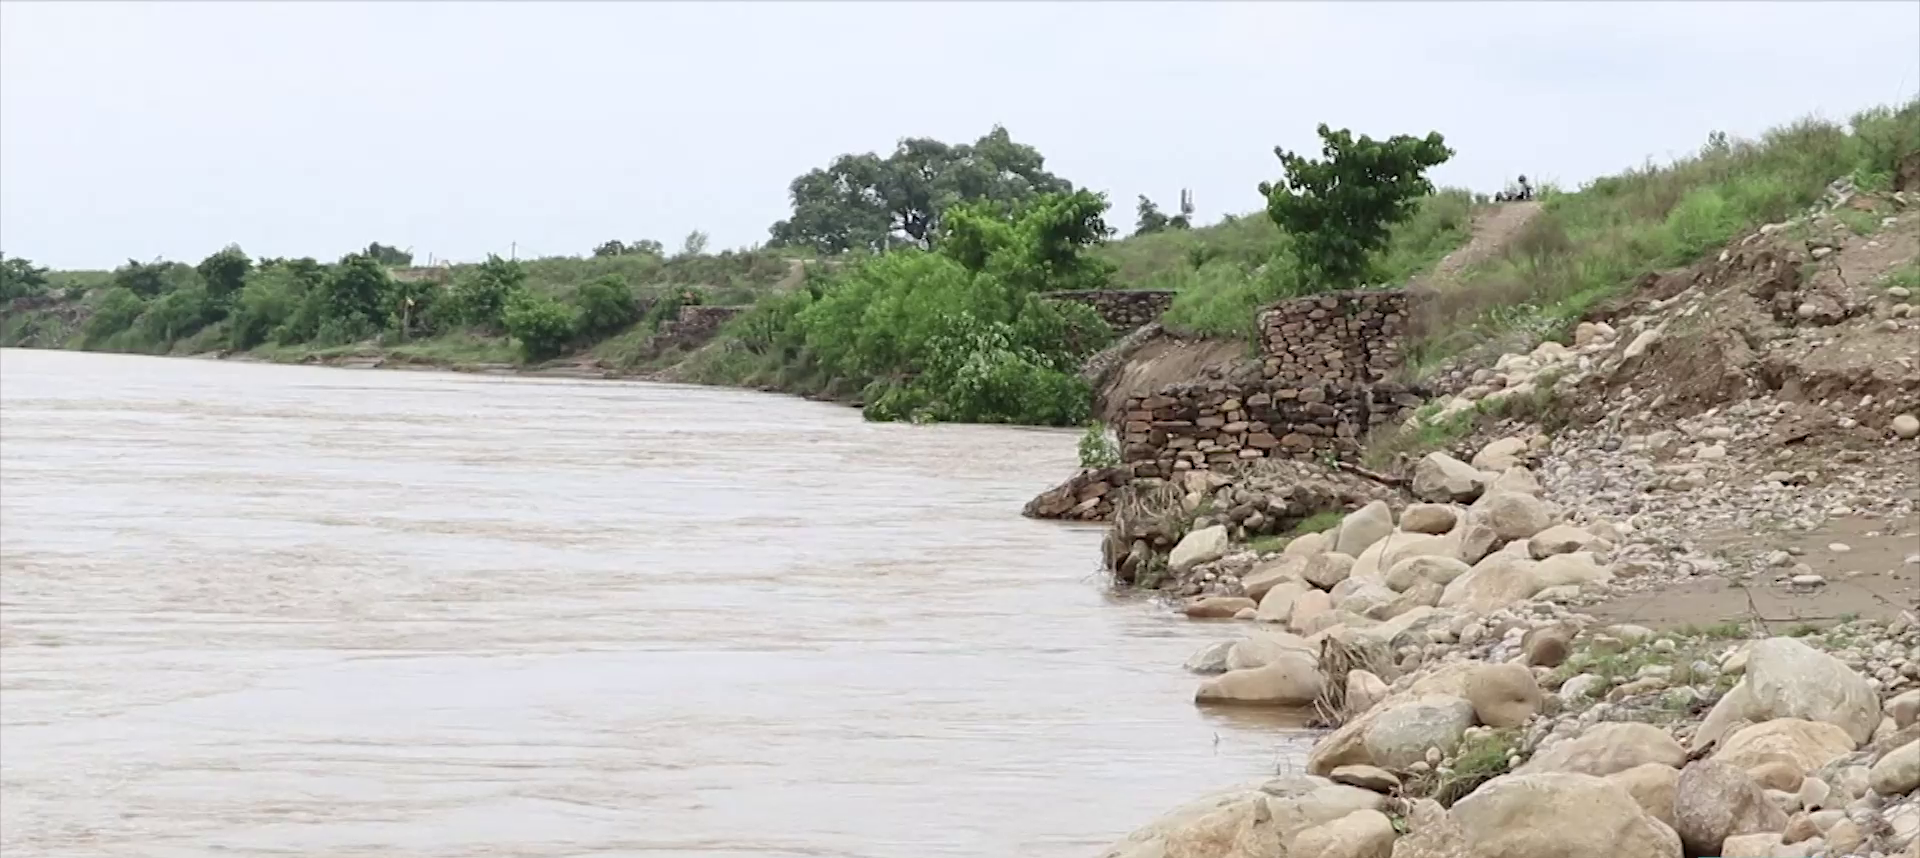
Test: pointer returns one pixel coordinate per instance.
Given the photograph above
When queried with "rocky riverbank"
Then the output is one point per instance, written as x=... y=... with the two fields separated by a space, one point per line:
x=1656 y=599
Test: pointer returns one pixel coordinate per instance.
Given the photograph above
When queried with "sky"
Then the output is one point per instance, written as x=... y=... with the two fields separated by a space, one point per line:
x=460 y=129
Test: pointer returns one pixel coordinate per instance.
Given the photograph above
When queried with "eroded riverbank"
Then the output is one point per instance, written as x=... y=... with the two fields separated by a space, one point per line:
x=255 y=608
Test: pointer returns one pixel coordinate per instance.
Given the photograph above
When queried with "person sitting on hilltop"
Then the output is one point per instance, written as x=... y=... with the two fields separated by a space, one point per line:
x=1526 y=190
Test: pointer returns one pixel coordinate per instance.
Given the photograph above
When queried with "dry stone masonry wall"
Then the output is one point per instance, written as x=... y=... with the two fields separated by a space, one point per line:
x=1207 y=424
x=1356 y=337
x=1124 y=310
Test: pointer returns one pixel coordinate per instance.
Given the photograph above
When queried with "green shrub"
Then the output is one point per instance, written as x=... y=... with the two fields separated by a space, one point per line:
x=1097 y=449
x=479 y=297
x=605 y=305
x=541 y=325
x=115 y=312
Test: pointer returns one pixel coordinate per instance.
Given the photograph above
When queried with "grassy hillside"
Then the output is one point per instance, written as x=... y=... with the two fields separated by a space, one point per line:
x=1594 y=244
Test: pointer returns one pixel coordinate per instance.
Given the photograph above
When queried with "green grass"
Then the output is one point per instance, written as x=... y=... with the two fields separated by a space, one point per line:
x=1225 y=274
x=1268 y=544
x=1592 y=245
x=1861 y=223
x=1906 y=276
x=1479 y=759
x=1319 y=522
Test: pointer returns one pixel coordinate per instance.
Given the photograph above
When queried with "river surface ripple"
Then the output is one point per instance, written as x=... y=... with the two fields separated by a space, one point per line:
x=263 y=610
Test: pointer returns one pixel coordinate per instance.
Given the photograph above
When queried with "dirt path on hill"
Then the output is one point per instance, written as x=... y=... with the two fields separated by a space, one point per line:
x=1493 y=228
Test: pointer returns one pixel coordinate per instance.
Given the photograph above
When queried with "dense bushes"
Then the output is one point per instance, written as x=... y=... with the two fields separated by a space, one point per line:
x=958 y=333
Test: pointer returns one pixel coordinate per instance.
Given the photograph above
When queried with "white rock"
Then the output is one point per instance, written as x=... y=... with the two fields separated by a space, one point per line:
x=1444 y=479
x=1201 y=546
x=1362 y=528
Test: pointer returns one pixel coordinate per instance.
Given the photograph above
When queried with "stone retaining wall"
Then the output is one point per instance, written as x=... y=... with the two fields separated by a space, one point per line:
x=1087 y=496
x=693 y=327
x=1357 y=337
x=1124 y=310
x=1205 y=424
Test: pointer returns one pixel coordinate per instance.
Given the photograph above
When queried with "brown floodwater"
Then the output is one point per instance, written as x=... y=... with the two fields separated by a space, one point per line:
x=251 y=610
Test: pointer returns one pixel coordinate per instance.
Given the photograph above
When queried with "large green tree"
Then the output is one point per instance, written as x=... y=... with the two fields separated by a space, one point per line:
x=1340 y=209
x=873 y=202
x=20 y=278
x=225 y=272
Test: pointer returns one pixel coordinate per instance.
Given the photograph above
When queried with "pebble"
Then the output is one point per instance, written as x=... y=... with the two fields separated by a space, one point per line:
x=1839 y=547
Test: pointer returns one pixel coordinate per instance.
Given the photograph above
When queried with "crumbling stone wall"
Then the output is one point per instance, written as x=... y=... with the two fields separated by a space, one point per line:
x=1356 y=338
x=693 y=327
x=1124 y=310
x=1202 y=425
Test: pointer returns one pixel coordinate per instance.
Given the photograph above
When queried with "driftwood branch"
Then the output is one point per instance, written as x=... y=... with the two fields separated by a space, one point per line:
x=1376 y=476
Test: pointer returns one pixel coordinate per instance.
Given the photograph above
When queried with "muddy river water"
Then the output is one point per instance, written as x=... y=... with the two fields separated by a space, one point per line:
x=253 y=610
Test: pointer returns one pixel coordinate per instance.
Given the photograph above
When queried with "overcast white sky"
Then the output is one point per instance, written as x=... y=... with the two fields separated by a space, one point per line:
x=170 y=129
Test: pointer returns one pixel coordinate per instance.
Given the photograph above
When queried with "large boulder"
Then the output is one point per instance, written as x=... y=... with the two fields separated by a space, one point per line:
x=1560 y=539
x=1609 y=747
x=1579 y=569
x=1431 y=833
x=1500 y=455
x=1327 y=570
x=1547 y=646
x=1503 y=695
x=1270 y=573
x=1211 y=658
x=1246 y=822
x=1218 y=607
x=1898 y=772
x=1266 y=647
x=1516 y=479
x=1292 y=678
x=1201 y=546
x=1276 y=606
x=1514 y=515
x=1440 y=570
x=1362 y=528
x=1559 y=815
x=1368 y=600
x=1788 y=679
x=1651 y=785
x=1400 y=734
x=1307 y=545
x=1399 y=547
x=1804 y=746
x=1428 y=518
x=1360 y=834
x=1500 y=580
x=1308 y=610
x=1714 y=801
x=1441 y=478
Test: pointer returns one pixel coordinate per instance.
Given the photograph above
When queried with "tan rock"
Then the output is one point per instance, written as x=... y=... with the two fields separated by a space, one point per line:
x=1750 y=846
x=1493 y=583
x=1362 y=528
x=1270 y=573
x=1218 y=607
x=1547 y=646
x=1651 y=785
x=1360 y=834
x=1443 y=479
x=1429 y=518
x=1201 y=546
x=1276 y=606
x=1364 y=691
x=1367 y=777
x=1799 y=746
x=1326 y=570
x=1307 y=545
x=1580 y=568
x=1438 y=569
x=1609 y=747
x=1516 y=479
x=1292 y=679
x=1845 y=837
x=1785 y=678
x=1904 y=708
x=1778 y=775
x=1800 y=827
x=1266 y=647
x=1431 y=833
x=1503 y=695
x=1308 y=609
x=1402 y=732
x=1245 y=822
x=1560 y=539
x=1514 y=515
x=1898 y=772
x=1518 y=816
x=1714 y=801
x=1500 y=455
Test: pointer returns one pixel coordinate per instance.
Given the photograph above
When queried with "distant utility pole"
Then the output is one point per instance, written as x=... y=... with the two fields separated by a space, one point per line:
x=513 y=250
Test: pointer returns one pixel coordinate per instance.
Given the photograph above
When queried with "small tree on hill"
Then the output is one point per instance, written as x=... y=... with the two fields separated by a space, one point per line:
x=225 y=272
x=1152 y=220
x=392 y=257
x=1341 y=209
x=20 y=278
